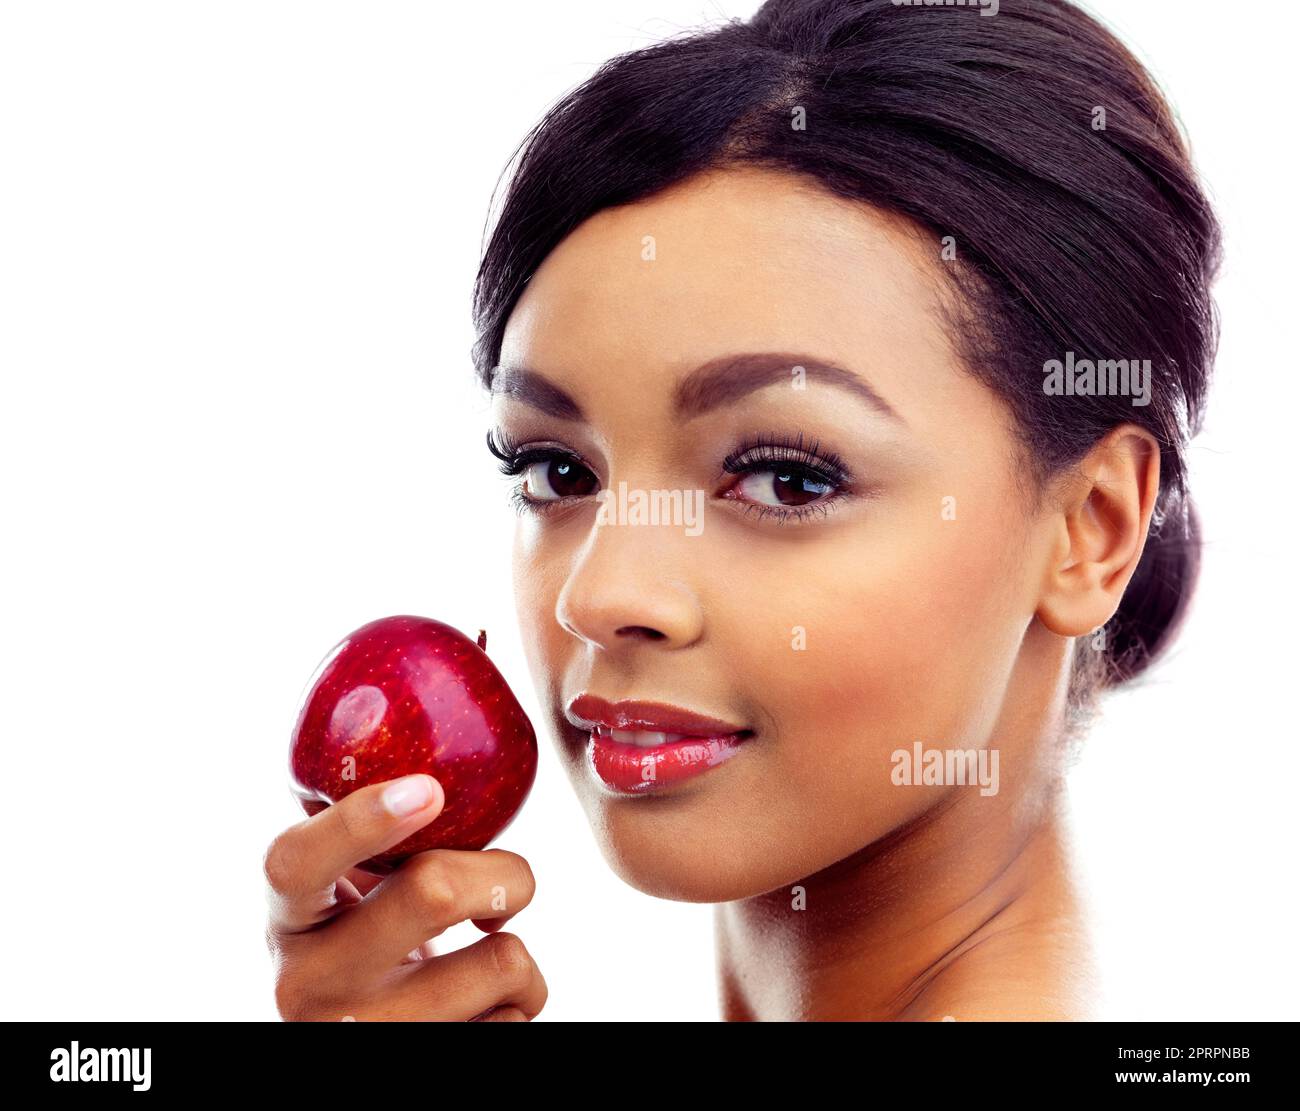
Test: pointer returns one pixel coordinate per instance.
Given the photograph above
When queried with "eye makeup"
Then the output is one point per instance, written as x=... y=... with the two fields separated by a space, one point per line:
x=806 y=479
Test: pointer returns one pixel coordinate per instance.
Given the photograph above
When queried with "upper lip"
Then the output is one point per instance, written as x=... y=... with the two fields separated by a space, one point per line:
x=589 y=710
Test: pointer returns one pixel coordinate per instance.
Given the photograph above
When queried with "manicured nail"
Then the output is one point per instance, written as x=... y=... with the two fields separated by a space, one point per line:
x=405 y=796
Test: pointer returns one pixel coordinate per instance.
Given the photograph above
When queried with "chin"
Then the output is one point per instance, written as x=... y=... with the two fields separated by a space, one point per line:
x=646 y=846
x=691 y=847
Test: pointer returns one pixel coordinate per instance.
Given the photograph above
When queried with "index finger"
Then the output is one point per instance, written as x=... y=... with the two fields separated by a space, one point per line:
x=306 y=860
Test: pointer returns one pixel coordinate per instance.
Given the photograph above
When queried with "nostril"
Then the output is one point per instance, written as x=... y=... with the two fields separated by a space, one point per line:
x=642 y=631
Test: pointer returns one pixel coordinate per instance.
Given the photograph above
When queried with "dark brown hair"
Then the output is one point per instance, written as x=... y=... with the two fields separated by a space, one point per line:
x=1072 y=237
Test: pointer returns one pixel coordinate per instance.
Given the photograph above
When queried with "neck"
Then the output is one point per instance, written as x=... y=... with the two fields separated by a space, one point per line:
x=969 y=911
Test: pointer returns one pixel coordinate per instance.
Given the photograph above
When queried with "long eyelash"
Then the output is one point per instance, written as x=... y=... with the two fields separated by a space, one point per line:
x=504 y=448
x=762 y=450
x=767 y=451
x=515 y=459
x=759 y=452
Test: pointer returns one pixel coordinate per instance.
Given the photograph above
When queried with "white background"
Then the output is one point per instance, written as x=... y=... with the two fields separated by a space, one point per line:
x=238 y=419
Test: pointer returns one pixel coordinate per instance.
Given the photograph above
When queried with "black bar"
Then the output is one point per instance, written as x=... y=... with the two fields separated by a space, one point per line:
x=315 y=1061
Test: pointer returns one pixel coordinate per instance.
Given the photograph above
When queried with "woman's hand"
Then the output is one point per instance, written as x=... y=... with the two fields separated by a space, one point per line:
x=348 y=945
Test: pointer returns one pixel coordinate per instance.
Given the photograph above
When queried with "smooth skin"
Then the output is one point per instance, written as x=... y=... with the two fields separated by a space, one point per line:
x=838 y=893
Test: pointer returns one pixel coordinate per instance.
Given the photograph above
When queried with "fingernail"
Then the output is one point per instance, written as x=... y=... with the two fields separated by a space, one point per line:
x=406 y=796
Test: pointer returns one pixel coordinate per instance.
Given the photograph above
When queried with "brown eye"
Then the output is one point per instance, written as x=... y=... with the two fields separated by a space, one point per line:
x=552 y=479
x=787 y=486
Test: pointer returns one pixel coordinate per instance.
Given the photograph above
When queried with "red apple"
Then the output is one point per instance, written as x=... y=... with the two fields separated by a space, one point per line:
x=409 y=694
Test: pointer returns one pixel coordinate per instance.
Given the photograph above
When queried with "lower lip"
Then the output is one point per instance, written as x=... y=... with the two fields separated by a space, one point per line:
x=634 y=770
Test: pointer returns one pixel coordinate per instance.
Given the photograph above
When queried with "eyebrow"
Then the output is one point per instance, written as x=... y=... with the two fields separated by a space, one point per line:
x=720 y=381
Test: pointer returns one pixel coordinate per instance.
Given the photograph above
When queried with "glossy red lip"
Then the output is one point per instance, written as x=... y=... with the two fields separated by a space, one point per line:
x=589 y=710
x=701 y=743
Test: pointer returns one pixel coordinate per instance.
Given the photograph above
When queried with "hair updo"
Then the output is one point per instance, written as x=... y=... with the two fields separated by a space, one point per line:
x=1033 y=138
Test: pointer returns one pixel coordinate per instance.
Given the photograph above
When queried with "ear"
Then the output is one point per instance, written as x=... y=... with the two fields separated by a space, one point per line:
x=1101 y=526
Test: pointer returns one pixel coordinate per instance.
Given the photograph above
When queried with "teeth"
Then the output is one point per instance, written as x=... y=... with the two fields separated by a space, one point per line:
x=639 y=737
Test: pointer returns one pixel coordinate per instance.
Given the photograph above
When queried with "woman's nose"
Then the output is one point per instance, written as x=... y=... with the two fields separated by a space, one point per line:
x=630 y=584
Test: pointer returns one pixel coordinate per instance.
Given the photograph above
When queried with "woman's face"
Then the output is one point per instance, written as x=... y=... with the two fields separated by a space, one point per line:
x=861 y=574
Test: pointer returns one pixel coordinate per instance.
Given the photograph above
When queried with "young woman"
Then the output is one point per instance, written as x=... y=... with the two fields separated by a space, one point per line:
x=899 y=317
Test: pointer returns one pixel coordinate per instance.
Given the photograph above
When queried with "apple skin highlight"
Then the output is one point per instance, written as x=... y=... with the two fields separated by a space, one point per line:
x=407 y=694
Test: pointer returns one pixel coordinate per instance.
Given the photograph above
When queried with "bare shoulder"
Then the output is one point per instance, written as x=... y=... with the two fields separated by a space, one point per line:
x=1015 y=977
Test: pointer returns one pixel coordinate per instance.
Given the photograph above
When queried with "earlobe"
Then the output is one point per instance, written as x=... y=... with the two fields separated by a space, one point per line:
x=1106 y=506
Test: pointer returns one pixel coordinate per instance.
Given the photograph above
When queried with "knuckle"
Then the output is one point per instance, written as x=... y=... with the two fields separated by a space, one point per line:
x=511 y=959
x=543 y=994
x=293 y=1001
x=434 y=886
x=278 y=865
x=307 y=990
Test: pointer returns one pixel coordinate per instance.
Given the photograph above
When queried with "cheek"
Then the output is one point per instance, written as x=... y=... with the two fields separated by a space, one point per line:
x=536 y=590
x=903 y=628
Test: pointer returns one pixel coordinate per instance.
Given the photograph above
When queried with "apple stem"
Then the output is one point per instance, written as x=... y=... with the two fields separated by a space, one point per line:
x=482 y=639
